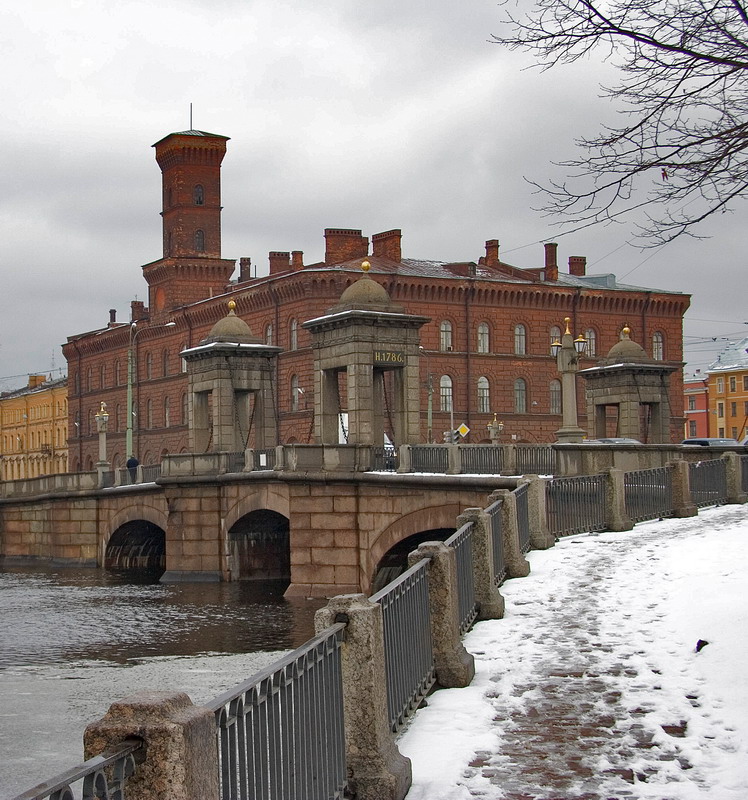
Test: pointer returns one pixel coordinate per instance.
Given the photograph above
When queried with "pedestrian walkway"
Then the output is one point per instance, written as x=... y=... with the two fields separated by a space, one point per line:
x=591 y=688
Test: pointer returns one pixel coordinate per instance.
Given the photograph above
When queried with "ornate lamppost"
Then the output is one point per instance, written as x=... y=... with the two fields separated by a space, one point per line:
x=567 y=353
x=102 y=422
x=494 y=430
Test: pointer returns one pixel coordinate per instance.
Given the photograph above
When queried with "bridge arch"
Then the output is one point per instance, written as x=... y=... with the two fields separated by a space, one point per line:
x=135 y=539
x=440 y=518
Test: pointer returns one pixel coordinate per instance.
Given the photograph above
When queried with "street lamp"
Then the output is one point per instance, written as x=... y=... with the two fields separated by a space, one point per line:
x=494 y=430
x=131 y=377
x=430 y=390
x=567 y=353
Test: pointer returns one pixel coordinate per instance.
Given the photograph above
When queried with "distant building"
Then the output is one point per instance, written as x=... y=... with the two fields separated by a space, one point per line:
x=696 y=407
x=486 y=349
x=33 y=429
x=728 y=391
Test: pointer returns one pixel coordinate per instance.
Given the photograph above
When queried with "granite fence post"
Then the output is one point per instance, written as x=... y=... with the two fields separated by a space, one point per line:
x=376 y=768
x=517 y=566
x=734 y=476
x=540 y=536
x=404 y=465
x=683 y=505
x=454 y=666
x=181 y=761
x=615 y=502
x=490 y=600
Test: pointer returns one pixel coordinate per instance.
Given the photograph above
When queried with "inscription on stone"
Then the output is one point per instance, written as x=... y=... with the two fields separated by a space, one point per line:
x=389 y=357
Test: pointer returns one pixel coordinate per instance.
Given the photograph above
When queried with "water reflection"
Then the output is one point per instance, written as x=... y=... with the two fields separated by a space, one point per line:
x=60 y=615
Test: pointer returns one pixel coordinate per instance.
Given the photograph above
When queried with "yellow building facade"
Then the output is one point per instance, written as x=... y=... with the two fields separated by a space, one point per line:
x=33 y=429
x=728 y=392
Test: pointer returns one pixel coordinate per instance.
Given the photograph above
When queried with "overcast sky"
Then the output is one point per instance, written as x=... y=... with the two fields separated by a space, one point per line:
x=393 y=114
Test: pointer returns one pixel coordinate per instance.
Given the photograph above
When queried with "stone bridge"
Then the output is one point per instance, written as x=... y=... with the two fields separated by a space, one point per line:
x=325 y=532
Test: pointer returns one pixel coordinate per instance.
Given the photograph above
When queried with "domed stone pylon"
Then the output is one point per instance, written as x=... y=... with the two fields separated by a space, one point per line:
x=365 y=336
x=636 y=385
x=231 y=397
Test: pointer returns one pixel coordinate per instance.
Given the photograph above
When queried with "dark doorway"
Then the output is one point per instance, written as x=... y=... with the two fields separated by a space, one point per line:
x=260 y=547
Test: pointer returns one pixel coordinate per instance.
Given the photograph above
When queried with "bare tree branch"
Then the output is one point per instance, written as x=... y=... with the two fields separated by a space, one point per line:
x=683 y=69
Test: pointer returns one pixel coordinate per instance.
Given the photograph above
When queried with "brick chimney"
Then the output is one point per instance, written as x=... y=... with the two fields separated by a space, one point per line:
x=245 y=269
x=551 y=264
x=112 y=316
x=297 y=259
x=36 y=380
x=138 y=311
x=492 y=253
x=280 y=261
x=387 y=244
x=343 y=244
x=577 y=265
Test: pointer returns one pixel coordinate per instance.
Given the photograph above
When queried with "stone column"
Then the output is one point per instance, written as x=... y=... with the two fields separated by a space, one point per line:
x=615 y=500
x=181 y=760
x=487 y=595
x=734 y=474
x=509 y=459
x=378 y=771
x=454 y=666
x=517 y=566
x=683 y=505
x=540 y=536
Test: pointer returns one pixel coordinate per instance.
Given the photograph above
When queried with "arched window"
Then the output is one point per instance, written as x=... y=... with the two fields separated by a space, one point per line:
x=183 y=361
x=483 y=342
x=293 y=335
x=555 y=334
x=294 y=393
x=269 y=333
x=89 y=380
x=165 y=363
x=102 y=377
x=445 y=393
x=184 y=409
x=658 y=346
x=520 y=396
x=554 y=390
x=198 y=195
x=118 y=417
x=200 y=241
x=445 y=336
x=484 y=397
x=149 y=414
x=148 y=366
x=117 y=373
x=91 y=426
x=167 y=413
x=520 y=340
x=591 y=336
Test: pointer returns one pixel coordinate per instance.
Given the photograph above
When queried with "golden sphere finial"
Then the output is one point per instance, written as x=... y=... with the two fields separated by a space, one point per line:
x=626 y=332
x=232 y=306
x=365 y=266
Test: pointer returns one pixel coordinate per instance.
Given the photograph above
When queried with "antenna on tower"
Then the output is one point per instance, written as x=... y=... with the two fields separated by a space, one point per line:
x=190 y=116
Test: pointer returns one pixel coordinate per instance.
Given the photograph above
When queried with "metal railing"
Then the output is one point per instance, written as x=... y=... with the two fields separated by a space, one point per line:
x=497 y=542
x=708 y=482
x=280 y=733
x=124 y=477
x=151 y=472
x=481 y=459
x=429 y=458
x=461 y=541
x=264 y=458
x=102 y=776
x=236 y=461
x=535 y=459
x=523 y=517
x=648 y=493
x=576 y=505
x=385 y=459
x=408 y=652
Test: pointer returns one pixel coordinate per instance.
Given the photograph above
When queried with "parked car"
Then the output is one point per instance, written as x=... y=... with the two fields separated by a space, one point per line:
x=618 y=440
x=713 y=442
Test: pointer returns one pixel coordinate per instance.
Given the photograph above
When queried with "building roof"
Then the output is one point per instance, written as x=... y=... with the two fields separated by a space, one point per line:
x=734 y=356
x=40 y=387
x=192 y=132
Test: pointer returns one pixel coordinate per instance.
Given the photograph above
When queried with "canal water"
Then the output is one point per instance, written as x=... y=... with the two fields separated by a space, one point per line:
x=72 y=641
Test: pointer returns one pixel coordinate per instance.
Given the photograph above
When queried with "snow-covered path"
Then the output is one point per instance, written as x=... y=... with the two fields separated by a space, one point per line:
x=591 y=687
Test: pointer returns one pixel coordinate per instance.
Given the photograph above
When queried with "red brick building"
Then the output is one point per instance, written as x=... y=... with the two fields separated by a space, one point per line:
x=487 y=347
x=696 y=411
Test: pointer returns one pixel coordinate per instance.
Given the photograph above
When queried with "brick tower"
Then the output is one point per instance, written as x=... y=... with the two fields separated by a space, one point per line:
x=191 y=268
